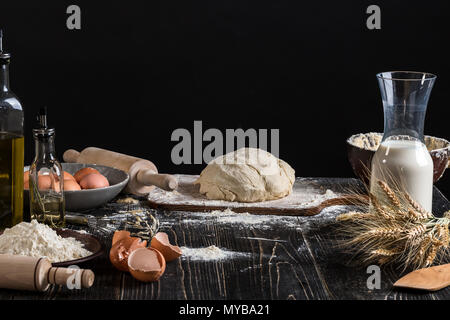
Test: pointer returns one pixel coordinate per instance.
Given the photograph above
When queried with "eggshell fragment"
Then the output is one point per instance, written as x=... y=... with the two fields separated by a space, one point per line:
x=118 y=255
x=83 y=172
x=71 y=185
x=94 y=181
x=146 y=264
x=161 y=242
x=119 y=235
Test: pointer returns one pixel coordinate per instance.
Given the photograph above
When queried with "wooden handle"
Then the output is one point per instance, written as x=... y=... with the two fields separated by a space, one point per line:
x=61 y=276
x=163 y=181
x=36 y=274
x=143 y=173
x=71 y=156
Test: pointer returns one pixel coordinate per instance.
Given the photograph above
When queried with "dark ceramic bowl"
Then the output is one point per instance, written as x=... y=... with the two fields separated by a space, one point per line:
x=91 y=198
x=361 y=158
x=89 y=242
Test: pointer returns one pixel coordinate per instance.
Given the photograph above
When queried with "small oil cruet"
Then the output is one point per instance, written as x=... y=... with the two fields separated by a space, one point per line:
x=46 y=177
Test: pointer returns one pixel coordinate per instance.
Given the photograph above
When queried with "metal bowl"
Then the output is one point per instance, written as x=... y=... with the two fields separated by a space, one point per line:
x=361 y=158
x=79 y=200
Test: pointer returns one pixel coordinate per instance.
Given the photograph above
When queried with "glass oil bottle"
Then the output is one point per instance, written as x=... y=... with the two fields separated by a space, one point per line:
x=46 y=178
x=11 y=149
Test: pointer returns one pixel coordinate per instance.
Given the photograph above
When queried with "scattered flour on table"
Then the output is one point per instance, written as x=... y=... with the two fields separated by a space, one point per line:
x=210 y=253
x=39 y=240
x=247 y=220
x=128 y=200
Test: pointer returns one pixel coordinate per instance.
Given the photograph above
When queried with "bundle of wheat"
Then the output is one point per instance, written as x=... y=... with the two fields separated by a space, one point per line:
x=396 y=230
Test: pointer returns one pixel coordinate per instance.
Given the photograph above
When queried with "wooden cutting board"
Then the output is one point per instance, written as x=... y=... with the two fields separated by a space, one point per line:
x=309 y=197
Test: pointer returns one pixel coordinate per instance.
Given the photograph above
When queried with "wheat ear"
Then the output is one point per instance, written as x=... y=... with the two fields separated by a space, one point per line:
x=390 y=194
x=417 y=206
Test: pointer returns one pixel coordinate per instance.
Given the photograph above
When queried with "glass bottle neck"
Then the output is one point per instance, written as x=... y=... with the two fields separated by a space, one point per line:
x=4 y=77
x=402 y=120
x=45 y=148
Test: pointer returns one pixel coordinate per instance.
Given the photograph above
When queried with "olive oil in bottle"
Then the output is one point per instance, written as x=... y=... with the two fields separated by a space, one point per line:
x=11 y=179
x=46 y=177
x=11 y=149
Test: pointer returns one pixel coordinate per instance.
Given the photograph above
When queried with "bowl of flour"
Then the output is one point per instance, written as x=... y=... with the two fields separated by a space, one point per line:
x=63 y=247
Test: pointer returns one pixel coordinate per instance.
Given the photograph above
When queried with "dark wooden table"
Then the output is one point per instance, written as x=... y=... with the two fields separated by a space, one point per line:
x=279 y=259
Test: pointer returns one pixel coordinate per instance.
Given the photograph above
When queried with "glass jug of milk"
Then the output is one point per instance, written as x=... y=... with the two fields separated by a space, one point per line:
x=402 y=159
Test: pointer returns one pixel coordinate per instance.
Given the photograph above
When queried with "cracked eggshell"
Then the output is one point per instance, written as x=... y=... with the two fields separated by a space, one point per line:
x=146 y=264
x=161 y=243
x=121 y=250
x=119 y=235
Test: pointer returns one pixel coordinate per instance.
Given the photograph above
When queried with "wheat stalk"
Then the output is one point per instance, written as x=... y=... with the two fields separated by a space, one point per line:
x=390 y=194
x=395 y=230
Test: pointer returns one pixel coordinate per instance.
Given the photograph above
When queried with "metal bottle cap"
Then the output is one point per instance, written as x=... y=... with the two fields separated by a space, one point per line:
x=43 y=130
x=4 y=57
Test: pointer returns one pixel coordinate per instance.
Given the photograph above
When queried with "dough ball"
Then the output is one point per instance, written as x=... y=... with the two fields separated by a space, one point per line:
x=246 y=175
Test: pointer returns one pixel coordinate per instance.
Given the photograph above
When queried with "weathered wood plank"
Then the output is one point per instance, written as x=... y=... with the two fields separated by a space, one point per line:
x=292 y=258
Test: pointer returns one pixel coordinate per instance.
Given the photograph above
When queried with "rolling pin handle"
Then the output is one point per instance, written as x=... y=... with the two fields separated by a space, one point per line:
x=71 y=156
x=164 y=181
x=61 y=276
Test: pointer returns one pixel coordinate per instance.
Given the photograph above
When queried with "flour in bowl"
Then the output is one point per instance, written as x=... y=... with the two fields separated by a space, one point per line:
x=39 y=240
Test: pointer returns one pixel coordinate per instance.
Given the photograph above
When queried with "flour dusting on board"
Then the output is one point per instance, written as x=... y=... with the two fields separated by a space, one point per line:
x=306 y=193
x=210 y=253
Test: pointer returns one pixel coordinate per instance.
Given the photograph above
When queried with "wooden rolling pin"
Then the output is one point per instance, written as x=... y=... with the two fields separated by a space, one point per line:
x=36 y=274
x=143 y=173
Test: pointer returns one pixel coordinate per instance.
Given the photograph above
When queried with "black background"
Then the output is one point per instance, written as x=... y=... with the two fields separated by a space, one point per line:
x=137 y=70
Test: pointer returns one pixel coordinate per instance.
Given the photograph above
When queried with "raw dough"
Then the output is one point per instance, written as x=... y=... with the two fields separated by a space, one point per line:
x=246 y=175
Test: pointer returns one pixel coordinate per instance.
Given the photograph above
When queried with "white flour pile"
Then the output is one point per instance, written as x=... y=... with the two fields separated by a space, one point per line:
x=39 y=240
x=369 y=141
x=209 y=253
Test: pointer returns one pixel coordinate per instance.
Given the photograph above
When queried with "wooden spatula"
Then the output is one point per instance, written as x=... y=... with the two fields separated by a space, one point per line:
x=430 y=279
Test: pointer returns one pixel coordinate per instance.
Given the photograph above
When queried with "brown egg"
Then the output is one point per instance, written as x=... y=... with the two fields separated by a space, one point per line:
x=146 y=264
x=71 y=185
x=83 y=172
x=94 y=181
x=68 y=176
x=45 y=183
x=118 y=255
x=161 y=243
